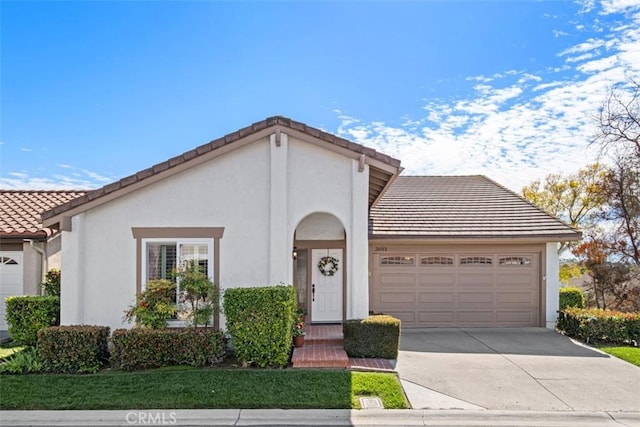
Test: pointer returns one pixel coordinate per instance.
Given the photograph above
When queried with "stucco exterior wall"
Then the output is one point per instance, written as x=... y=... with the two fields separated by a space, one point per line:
x=258 y=193
x=32 y=269
x=553 y=283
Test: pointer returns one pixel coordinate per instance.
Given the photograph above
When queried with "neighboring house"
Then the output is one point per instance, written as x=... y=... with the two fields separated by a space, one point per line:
x=27 y=249
x=282 y=202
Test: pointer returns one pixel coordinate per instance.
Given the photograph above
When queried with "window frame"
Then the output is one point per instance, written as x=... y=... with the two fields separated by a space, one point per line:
x=383 y=264
x=190 y=241
x=210 y=235
x=476 y=260
x=451 y=258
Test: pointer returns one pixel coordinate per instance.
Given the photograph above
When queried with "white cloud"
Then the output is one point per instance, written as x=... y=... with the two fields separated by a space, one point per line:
x=72 y=179
x=616 y=6
x=516 y=133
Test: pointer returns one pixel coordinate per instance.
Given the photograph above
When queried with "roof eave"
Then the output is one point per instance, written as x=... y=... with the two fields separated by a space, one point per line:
x=554 y=237
x=259 y=130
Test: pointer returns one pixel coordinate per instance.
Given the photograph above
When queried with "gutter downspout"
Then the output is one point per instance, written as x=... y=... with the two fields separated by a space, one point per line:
x=44 y=264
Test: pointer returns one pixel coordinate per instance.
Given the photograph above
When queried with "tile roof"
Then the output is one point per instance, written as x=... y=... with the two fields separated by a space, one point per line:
x=229 y=139
x=459 y=207
x=20 y=211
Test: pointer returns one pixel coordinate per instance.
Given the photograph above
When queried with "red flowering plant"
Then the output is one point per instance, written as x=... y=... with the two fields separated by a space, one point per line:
x=155 y=306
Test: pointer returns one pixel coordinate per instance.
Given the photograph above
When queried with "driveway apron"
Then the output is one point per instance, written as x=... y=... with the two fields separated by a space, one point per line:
x=514 y=369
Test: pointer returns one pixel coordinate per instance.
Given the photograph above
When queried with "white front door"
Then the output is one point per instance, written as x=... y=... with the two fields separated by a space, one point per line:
x=326 y=285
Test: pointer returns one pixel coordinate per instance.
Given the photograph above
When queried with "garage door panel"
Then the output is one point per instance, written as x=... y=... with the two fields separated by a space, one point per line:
x=515 y=318
x=445 y=297
x=505 y=292
x=474 y=317
x=436 y=318
x=397 y=298
x=516 y=298
x=11 y=278
x=474 y=279
x=398 y=279
x=515 y=280
x=475 y=297
x=447 y=279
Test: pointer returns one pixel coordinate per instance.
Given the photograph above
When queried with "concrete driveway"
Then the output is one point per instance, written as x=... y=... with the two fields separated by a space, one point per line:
x=512 y=369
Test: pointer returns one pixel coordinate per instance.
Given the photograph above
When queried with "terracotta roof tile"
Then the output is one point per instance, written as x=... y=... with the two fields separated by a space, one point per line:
x=20 y=211
x=459 y=206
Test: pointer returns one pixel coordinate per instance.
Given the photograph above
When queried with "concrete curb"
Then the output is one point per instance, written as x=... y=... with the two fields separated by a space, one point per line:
x=328 y=417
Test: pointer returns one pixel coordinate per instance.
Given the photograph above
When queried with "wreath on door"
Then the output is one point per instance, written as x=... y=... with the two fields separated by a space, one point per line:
x=328 y=265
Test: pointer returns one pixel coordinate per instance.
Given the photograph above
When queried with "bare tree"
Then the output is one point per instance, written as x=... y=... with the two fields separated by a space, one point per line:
x=618 y=134
x=623 y=208
x=618 y=123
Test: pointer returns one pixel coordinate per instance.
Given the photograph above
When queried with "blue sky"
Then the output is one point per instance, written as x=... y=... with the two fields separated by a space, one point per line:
x=97 y=90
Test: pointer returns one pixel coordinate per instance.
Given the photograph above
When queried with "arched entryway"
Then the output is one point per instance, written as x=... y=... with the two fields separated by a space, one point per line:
x=320 y=267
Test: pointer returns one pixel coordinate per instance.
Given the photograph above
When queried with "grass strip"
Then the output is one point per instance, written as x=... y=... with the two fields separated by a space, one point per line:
x=629 y=354
x=199 y=389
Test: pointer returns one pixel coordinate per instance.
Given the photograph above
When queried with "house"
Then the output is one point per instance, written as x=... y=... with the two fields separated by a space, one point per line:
x=27 y=249
x=283 y=202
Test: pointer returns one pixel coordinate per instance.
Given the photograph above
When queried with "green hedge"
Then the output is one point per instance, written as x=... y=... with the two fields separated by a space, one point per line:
x=152 y=348
x=260 y=323
x=571 y=297
x=375 y=336
x=73 y=349
x=26 y=315
x=597 y=325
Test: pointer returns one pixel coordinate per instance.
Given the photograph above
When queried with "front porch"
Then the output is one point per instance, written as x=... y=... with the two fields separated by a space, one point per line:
x=324 y=348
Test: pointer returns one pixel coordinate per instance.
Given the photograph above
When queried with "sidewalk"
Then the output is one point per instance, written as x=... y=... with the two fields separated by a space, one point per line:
x=323 y=417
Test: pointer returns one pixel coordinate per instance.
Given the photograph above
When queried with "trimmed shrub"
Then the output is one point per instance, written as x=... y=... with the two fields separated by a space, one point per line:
x=375 y=336
x=571 y=297
x=153 y=348
x=27 y=314
x=260 y=323
x=76 y=349
x=597 y=325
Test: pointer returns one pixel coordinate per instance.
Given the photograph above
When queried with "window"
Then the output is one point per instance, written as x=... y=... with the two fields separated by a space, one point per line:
x=397 y=260
x=5 y=260
x=515 y=260
x=476 y=260
x=163 y=257
x=436 y=260
x=160 y=250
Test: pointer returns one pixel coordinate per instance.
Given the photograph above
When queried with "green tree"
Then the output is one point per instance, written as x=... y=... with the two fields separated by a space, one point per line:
x=575 y=199
x=569 y=271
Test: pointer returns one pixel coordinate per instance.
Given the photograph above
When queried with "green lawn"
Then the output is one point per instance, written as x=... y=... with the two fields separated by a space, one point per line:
x=181 y=388
x=630 y=354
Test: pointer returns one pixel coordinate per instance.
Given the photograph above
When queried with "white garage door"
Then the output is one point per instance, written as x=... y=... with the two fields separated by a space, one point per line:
x=10 y=280
x=457 y=289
